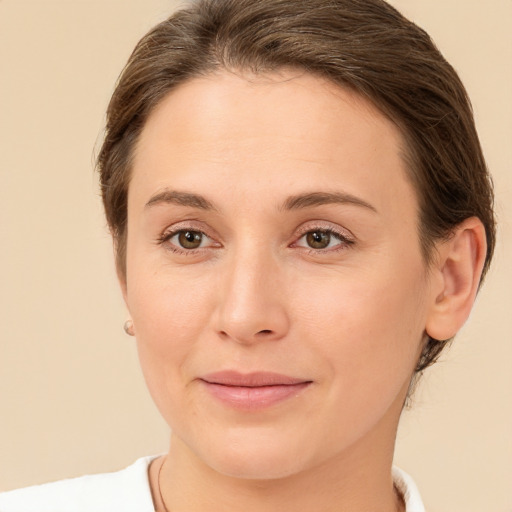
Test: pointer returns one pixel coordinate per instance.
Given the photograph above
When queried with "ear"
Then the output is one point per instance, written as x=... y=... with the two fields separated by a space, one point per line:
x=457 y=273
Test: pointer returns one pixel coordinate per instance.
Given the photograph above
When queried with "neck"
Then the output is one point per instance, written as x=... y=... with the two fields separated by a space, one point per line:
x=348 y=482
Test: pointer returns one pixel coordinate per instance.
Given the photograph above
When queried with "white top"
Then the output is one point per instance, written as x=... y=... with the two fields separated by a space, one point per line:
x=127 y=491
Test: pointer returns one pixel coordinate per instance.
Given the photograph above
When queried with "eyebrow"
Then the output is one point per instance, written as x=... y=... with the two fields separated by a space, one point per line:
x=296 y=202
x=309 y=200
x=182 y=198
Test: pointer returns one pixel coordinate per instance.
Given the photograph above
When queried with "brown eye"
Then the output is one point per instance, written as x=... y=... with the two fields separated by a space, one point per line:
x=318 y=239
x=190 y=239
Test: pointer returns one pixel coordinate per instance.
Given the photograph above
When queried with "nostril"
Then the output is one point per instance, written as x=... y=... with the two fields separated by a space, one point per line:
x=265 y=331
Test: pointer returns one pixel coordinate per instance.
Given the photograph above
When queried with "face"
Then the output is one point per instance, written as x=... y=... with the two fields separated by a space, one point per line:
x=274 y=272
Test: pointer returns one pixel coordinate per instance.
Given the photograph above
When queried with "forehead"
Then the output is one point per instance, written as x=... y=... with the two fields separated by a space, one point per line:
x=302 y=104
x=256 y=130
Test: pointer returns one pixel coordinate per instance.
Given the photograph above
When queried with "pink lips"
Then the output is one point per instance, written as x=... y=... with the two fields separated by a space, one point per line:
x=252 y=390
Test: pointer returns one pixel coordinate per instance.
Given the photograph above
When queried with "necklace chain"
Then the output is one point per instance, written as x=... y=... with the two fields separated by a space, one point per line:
x=160 y=487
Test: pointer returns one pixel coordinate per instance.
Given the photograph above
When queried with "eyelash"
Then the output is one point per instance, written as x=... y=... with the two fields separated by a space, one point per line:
x=345 y=241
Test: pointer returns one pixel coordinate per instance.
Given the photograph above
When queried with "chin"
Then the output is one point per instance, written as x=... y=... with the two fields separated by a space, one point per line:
x=261 y=467
x=253 y=456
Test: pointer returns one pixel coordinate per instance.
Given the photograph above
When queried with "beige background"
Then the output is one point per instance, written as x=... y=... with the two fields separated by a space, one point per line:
x=72 y=399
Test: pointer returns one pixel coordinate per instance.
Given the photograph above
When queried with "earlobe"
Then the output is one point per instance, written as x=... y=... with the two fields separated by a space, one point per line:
x=458 y=270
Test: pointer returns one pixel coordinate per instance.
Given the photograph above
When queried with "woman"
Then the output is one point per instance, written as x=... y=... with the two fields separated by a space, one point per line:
x=302 y=217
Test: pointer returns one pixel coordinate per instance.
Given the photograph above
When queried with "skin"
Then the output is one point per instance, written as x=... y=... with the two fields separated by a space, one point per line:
x=349 y=317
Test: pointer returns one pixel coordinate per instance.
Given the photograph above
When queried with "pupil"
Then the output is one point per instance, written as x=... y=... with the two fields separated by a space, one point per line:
x=318 y=239
x=190 y=239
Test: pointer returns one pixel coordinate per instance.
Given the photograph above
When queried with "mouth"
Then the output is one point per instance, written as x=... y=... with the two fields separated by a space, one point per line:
x=252 y=391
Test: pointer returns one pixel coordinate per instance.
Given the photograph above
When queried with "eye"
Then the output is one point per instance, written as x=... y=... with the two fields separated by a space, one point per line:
x=186 y=240
x=318 y=239
x=321 y=239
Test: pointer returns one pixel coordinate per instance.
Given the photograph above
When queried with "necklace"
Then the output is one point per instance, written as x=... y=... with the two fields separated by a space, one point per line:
x=160 y=487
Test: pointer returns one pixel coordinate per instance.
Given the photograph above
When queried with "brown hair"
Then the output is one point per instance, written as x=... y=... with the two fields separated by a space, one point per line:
x=365 y=45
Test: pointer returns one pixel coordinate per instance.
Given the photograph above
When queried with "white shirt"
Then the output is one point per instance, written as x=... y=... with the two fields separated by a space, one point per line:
x=127 y=491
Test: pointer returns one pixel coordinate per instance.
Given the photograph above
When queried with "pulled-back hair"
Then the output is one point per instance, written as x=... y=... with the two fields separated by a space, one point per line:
x=364 y=45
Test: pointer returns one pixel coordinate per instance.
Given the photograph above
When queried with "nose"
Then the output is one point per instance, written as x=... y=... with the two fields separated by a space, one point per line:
x=252 y=301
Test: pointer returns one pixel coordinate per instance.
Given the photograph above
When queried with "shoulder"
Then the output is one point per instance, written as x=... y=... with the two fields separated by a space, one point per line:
x=405 y=484
x=122 y=491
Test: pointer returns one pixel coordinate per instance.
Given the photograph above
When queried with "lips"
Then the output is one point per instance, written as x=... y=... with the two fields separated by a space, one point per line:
x=252 y=390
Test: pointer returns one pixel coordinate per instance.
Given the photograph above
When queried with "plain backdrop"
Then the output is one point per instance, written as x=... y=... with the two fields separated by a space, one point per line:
x=72 y=399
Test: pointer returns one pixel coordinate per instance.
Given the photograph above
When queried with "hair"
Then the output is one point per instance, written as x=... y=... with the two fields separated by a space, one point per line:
x=363 y=45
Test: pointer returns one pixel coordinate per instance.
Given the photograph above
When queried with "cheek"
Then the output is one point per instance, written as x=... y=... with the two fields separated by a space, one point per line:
x=366 y=335
x=167 y=304
x=368 y=328
x=169 y=313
